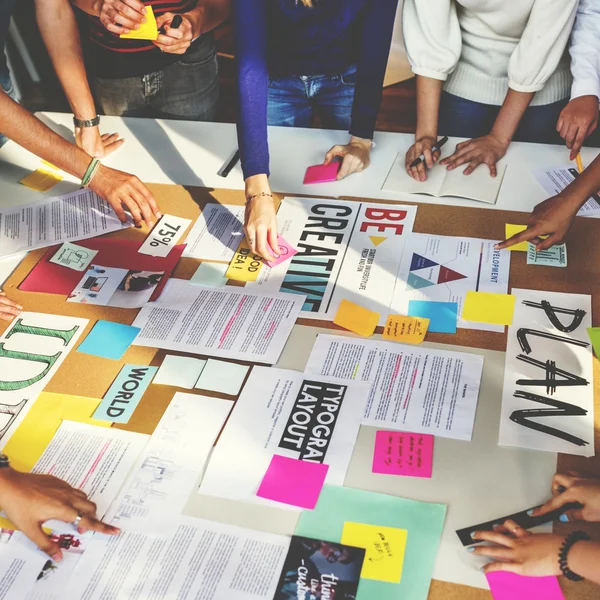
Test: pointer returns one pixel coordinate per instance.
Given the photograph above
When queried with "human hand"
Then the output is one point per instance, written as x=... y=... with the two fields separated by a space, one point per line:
x=90 y=140
x=119 y=189
x=577 y=121
x=519 y=551
x=9 y=309
x=572 y=488
x=121 y=16
x=487 y=149
x=175 y=41
x=356 y=156
x=422 y=146
x=552 y=217
x=30 y=500
x=260 y=222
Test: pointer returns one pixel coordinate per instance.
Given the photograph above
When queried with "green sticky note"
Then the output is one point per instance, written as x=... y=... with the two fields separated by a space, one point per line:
x=594 y=335
x=556 y=256
x=423 y=521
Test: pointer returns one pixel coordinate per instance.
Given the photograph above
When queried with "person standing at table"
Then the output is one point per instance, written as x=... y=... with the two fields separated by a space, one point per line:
x=486 y=71
x=579 y=119
x=298 y=57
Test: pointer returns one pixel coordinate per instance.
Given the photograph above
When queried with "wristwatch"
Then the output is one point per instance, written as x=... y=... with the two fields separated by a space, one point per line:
x=4 y=462
x=87 y=122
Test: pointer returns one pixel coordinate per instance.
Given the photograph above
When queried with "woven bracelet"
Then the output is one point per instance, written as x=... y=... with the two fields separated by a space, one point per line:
x=570 y=540
x=90 y=172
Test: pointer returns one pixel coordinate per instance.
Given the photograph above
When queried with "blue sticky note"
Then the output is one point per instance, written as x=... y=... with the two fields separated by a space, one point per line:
x=442 y=315
x=125 y=393
x=109 y=340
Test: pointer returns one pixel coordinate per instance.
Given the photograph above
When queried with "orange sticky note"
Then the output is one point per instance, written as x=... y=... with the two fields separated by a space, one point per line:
x=41 y=180
x=146 y=31
x=355 y=318
x=244 y=266
x=409 y=330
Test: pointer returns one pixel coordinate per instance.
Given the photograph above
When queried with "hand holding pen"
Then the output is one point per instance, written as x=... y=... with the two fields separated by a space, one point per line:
x=425 y=152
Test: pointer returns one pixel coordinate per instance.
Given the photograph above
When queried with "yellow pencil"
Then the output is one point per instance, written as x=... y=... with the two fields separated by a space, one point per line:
x=579 y=163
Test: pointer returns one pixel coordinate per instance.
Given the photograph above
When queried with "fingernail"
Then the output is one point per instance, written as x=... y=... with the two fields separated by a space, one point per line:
x=57 y=557
x=19 y=307
x=497 y=247
x=159 y=215
x=564 y=518
x=530 y=512
x=115 y=529
x=496 y=526
x=471 y=549
x=473 y=535
x=137 y=26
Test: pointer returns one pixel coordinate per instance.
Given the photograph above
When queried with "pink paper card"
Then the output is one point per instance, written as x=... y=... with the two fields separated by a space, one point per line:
x=292 y=481
x=285 y=252
x=402 y=453
x=322 y=173
x=510 y=586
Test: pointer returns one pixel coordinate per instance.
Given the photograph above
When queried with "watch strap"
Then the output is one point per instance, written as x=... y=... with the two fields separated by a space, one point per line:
x=87 y=122
x=4 y=462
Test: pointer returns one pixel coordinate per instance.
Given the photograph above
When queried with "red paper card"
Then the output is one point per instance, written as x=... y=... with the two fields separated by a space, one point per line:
x=322 y=173
x=49 y=278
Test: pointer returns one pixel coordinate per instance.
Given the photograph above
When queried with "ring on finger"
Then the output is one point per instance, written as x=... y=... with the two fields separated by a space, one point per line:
x=78 y=518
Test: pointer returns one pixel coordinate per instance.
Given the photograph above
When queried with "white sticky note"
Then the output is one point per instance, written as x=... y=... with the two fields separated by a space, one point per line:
x=164 y=236
x=180 y=371
x=210 y=275
x=223 y=377
x=73 y=256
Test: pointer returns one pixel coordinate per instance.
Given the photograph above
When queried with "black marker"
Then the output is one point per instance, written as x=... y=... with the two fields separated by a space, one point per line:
x=435 y=148
x=175 y=24
x=226 y=169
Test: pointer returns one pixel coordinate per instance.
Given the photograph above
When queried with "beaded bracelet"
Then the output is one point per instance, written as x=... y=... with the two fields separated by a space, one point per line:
x=250 y=198
x=90 y=172
x=570 y=540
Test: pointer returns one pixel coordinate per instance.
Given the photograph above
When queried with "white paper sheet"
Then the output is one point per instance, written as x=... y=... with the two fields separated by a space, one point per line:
x=479 y=185
x=171 y=464
x=19 y=568
x=223 y=322
x=414 y=389
x=164 y=236
x=557 y=179
x=346 y=250
x=223 y=377
x=443 y=269
x=76 y=216
x=280 y=412
x=180 y=371
x=31 y=350
x=198 y=560
x=537 y=350
x=217 y=233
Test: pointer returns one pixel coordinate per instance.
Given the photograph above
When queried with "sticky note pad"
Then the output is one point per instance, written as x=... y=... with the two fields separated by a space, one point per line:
x=125 y=393
x=513 y=230
x=41 y=180
x=408 y=330
x=355 y=318
x=486 y=307
x=385 y=548
x=285 y=252
x=146 y=31
x=556 y=256
x=210 y=275
x=322 y=173
x=245 y=265
x=510 y=586
x=73 y=256
x=442 y=315
x=403 y=453
x=221 y=376
x=109 y=340
x=292 y=481
x=594 y=335
x=180 y=371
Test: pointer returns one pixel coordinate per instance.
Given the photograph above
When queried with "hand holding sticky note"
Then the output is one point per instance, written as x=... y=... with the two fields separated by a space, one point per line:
x=146 y=31
x=322 y=173
x=408 y=330
x=357 y=319
x=286 y=252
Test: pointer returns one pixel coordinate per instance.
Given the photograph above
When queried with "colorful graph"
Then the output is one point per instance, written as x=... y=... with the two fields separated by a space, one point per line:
x=425 y=272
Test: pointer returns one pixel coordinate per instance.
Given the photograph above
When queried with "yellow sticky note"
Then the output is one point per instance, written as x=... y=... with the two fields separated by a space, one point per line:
x=146 y=31
x=32 y=436
x=409 y=330
x=485 y=307
x=385 y=548
x=41 y=180
x=513 y=230
x=355 y=318
x=244 y=266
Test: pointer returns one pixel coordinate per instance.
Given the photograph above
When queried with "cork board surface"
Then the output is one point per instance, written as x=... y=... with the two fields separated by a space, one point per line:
x=91 y=376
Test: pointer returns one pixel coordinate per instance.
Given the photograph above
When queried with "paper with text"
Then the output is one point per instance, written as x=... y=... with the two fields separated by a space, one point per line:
x=165 y=234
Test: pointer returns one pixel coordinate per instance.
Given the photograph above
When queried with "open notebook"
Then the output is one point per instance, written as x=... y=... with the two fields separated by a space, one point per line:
x=479 y=185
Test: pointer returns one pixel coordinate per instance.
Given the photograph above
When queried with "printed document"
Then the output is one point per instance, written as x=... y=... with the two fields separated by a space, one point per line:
x=19 y=568
x=414 y=388
x=226 y=322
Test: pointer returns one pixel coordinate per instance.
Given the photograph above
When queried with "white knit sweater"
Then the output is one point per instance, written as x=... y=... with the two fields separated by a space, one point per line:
x=480 y=48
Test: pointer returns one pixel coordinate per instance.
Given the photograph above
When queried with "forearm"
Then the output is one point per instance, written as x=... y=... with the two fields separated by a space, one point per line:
x=510 y=115
x=26 y=130
x=584 y=559
x=58 y=26
x=209 y=14
x=429 y=93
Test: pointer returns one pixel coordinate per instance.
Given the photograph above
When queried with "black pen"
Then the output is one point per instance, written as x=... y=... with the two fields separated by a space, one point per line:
x=175 y=24
x=224 y=171
x=437 y=147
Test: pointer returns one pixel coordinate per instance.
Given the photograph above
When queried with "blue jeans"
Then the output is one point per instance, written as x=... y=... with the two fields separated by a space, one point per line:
x=468 y=119
x=293 y=100
x=188 y=89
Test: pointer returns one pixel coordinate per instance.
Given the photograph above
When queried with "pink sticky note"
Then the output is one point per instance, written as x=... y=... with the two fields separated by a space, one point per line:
x=292 y=481
x=510 y=586
x=402 y=453
x=285 y=252
x=322 y=173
